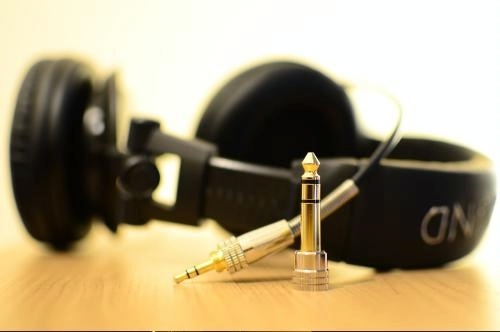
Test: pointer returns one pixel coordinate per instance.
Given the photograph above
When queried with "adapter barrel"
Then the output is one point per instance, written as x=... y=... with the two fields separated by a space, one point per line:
x=310 y=205
x=311 y=263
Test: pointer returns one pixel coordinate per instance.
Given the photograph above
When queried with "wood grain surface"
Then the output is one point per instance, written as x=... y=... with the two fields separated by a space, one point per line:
x=125 y=282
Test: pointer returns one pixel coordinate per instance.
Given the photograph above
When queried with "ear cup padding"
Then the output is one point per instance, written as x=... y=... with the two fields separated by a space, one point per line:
x=276 y=112
x=47 y=151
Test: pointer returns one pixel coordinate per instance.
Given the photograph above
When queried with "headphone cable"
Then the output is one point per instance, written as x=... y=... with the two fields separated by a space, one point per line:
x=383 y=149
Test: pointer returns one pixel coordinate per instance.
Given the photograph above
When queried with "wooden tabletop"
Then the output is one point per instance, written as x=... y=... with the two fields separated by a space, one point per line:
x=125 y=282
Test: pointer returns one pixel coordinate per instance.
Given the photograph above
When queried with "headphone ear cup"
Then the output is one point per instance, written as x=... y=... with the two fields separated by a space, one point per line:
x=47 y=148
x=276 y=112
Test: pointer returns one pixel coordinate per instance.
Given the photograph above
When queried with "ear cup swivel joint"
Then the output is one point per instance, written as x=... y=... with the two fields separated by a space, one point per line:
x=139 y=176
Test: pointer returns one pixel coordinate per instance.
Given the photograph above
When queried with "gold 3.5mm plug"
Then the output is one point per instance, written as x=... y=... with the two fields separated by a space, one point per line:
x=236 y=253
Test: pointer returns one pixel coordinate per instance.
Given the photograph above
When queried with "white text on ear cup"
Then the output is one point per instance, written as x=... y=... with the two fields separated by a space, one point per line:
x=446 y=222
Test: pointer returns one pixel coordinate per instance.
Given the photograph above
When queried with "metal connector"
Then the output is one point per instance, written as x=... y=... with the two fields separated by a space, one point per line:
x=237 y=252
x=311 y=263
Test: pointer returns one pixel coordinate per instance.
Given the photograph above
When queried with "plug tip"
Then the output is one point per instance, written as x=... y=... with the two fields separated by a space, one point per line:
x=178 y=278
x=310 y=162
x=216 y=262
x=189 y=273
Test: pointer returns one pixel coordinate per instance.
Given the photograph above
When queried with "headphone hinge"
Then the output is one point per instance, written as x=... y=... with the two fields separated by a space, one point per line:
x=145 y=137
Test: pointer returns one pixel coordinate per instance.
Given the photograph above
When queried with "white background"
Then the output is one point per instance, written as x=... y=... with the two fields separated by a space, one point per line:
x=441 y=59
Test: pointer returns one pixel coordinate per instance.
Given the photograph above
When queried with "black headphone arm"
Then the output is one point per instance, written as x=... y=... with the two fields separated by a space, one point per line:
x=205 y=183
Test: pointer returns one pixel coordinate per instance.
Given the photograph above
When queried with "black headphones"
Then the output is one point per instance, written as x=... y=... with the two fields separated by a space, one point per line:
x=428 y=202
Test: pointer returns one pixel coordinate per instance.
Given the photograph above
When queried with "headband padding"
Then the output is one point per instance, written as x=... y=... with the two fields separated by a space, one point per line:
x=46 y=150
x=276 y=112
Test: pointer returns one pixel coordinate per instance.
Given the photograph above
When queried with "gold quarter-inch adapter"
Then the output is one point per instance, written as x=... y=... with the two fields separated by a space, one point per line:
x=311 y=263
